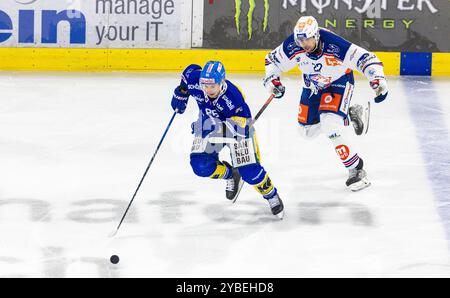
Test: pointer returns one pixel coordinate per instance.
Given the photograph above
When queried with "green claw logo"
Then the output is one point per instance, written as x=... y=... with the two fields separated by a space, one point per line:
x=252 y=6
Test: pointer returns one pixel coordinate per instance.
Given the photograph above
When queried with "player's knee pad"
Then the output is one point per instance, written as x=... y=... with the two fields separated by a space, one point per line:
x=331 y=123
x=310 y=131
x=203 y=165
x=252 y=174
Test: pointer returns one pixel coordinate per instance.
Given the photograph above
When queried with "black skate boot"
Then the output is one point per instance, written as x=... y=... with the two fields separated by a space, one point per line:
x=276 y=205
x=357 y=179
x=234 y=184
x=359 y=116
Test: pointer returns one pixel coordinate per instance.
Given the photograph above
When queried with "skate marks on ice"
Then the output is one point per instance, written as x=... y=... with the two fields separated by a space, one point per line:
x=434 y=139
x=326 y=200
x=319 y=213
x=38 y=210
x=89 y=211
x=70 y=240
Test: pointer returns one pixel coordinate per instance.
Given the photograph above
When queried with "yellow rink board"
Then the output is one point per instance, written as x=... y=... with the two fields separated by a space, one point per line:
x=235 y=61
x=441 y=64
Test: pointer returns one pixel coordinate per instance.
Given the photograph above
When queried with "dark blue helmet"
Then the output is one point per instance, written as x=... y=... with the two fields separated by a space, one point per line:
x=212 y=73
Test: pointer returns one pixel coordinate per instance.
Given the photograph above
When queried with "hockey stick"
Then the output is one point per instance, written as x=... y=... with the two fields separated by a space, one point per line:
x=263 y=108
x=145 y=173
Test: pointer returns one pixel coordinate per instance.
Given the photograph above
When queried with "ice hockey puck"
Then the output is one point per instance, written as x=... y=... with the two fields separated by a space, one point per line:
x=114 y=259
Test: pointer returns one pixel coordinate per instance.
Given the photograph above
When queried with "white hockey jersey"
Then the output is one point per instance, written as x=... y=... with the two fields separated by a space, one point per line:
x=335 y=58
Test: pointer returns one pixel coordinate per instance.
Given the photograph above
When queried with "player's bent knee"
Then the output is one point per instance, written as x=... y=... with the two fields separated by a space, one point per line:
x=252 y=174
x=203 y=165
x=309 y=131
x=331 y=122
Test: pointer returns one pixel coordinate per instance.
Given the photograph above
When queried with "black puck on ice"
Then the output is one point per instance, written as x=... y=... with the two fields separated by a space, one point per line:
x=114 y=259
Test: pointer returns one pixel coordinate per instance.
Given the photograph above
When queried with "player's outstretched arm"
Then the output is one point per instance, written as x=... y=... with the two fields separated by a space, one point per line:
x=279 y=61
x=370 y=66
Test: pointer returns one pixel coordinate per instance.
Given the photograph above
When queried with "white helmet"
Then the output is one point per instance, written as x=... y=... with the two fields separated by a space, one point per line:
x=306 y=27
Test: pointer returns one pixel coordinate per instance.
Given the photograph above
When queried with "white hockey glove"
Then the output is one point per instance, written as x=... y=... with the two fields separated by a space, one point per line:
x=273 y=85
x=380 y=88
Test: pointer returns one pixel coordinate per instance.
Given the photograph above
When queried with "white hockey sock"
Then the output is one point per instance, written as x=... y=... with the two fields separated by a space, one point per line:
x=334 y=129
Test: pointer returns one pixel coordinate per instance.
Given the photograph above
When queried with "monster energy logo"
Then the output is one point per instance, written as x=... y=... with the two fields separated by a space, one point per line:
x=252 y=5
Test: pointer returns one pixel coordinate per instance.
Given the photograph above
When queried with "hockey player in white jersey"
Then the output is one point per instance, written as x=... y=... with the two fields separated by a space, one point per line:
x=327 y=62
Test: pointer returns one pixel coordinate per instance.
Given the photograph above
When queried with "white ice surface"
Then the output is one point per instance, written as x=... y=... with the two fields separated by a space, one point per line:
x=74 y=146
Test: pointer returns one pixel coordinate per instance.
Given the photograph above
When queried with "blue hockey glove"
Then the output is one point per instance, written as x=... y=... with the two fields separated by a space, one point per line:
x=180 y=99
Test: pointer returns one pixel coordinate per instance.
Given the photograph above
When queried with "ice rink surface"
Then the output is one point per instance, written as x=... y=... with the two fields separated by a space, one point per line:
x=73 y=148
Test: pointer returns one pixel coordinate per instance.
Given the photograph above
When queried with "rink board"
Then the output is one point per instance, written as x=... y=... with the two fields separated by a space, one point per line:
x=237 y=61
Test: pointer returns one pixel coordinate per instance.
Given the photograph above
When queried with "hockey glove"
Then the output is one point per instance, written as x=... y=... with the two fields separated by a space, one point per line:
x=273 y=85
x=180 y=99
x=380 y=88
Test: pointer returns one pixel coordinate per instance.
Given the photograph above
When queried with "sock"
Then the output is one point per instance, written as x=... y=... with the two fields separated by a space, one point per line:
x=222 y=172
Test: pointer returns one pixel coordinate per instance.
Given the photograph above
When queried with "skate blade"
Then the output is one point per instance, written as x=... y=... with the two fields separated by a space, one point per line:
x=367 y=118
x=364 y=183
x=241 y=184
x=280 y=215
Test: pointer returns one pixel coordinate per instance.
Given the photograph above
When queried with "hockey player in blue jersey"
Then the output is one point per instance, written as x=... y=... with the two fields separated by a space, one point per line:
x=327 y=62
x=224 y=118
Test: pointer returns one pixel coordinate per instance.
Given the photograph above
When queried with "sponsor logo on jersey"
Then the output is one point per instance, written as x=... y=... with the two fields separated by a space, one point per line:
x=328 y=99
x=334 y=48
x=343 y=152
x=273 y=58
x=199 y=99
x=330 y=102
x=364 y=60
x=332 y=61
x=219 y=107
x=291 y=46
x=196 y=86
x=303 y=113
x=228 y=102
x=346 y=98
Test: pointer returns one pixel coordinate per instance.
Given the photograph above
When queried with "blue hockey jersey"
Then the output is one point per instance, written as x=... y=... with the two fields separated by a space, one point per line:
x=229 y=105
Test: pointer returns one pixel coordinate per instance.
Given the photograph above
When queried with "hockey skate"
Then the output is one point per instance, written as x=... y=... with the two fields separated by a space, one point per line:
x=234 y=184
x=276 y=205
x=360 y=117
x=357 y=179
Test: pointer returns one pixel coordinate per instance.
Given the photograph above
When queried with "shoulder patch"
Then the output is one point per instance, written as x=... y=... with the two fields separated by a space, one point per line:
x=291 y=48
